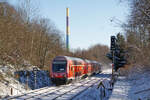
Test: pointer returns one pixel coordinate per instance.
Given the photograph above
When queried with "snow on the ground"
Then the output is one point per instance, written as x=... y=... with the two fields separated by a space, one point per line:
x=70 y=90
x=91 y=93
x=126 y=88
x=136 y=87
x=107 y=71
x=10 y=85
x=140 y=86
x=95 y=93
x=120 y=90
x=19 y=85
x=132 y=88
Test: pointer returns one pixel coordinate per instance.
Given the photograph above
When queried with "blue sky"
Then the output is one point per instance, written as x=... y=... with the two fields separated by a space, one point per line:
x=89 y=19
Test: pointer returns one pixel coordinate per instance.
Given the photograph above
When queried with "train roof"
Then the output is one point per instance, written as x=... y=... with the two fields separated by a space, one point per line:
x=74 y=59
x=94 y=61
x=88 y=61
x=68 y=58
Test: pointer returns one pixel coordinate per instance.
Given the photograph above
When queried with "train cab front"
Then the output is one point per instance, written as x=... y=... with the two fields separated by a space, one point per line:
x=59 y=73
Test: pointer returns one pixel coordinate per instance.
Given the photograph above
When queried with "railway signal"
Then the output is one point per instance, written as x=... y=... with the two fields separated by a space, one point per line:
x=116 y=55
x=35 y=70
x=113 y=42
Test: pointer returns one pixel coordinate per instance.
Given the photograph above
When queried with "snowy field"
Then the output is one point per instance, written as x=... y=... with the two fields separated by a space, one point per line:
x=8 y=82
x=10 y=85
x=135 y=87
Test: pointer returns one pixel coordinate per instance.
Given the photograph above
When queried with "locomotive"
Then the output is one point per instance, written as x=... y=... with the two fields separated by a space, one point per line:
x=65 y=69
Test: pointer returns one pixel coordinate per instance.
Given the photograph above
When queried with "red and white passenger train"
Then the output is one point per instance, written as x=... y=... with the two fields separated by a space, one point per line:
x=65 y=69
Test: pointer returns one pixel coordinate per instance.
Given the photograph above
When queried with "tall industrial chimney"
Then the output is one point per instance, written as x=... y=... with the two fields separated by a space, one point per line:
x=67 y=29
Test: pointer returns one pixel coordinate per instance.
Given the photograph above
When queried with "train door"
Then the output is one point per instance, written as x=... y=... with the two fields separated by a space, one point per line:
x=70 y=71
x=82 y=69
x=89 y=69
x=73 y=71
x=86 y=69
x=79 y=70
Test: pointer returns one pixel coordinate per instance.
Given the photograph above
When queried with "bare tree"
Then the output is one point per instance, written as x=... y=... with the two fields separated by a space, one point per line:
x=35 y=41
x=137 y=32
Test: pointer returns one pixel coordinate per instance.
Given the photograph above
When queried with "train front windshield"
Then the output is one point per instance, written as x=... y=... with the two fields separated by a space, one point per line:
x=59 y=66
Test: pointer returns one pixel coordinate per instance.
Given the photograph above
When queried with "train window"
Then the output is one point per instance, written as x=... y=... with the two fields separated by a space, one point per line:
x=59 y=66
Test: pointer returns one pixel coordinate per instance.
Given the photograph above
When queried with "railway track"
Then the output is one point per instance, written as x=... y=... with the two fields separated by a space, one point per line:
x=63 y=92
x=70 y=95
x=54 y=92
